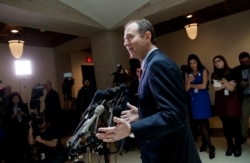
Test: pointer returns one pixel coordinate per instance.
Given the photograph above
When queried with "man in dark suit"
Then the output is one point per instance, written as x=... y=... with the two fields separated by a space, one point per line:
x=52 y=110
x=160 y=123
x=242 y=76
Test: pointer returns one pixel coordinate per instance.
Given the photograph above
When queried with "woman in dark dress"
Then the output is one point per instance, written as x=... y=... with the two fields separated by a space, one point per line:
x=17 y=115
x=227 y=104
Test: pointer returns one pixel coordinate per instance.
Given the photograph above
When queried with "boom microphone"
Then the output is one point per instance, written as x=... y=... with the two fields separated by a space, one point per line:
x=99 y=95
x=109 y=93
x=98 y=111
x=123 y=87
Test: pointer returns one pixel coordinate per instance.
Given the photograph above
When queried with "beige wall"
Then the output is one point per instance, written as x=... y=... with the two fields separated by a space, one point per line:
x=42 y=64
x=108 y=51
x=77 y=60
x=63 y=59
x=227 y=36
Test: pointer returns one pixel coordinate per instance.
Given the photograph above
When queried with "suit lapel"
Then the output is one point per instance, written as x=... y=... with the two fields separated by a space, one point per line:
x=152 y=54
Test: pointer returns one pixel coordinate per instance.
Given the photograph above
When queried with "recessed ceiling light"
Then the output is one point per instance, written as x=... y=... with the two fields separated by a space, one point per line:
x=14 y=31
x=189 y=16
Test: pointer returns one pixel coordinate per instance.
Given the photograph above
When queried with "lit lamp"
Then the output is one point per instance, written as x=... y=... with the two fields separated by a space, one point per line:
x=16 y=48
x=192 y=30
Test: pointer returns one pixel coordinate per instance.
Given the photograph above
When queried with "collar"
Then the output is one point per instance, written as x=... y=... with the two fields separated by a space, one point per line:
x=144 y=60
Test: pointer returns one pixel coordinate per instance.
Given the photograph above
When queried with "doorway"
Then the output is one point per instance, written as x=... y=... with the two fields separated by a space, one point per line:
x=88 y=73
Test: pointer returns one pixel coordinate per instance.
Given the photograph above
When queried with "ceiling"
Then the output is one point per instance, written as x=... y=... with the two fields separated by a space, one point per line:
x=54 y=22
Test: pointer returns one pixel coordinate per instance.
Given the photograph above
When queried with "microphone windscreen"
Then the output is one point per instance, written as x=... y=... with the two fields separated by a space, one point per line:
x=123 y=87
x=99 y=95
x=117 y=111
x=110 y=93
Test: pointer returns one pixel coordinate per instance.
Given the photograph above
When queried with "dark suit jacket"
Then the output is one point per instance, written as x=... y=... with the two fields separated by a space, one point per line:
x=163 y=131
x=237 y=73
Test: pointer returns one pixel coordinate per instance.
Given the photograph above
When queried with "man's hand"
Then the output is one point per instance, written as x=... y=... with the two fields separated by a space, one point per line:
x=244 y=83
x=38 y=139
x=130 y=115
x=118 y=132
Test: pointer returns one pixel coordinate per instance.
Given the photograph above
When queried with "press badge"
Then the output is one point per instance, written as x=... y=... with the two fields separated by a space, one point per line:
x=42 y=156
x=226 y=92
x=196 y=90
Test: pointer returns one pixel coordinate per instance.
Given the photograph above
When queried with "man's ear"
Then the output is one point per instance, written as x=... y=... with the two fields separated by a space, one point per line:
x=148 y=36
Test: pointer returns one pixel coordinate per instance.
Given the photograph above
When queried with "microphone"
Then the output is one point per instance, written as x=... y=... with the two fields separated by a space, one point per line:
x=117 y=111
x=98 y=111
x=123 y=87
x=99 y=95
x=109 y=93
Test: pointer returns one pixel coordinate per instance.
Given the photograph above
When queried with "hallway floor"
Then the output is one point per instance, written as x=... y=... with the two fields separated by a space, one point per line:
x=219 y=143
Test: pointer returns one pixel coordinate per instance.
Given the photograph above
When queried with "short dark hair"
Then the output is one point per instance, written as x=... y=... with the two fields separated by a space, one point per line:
x=144 y=25
x=184 y=68
x=244 y=55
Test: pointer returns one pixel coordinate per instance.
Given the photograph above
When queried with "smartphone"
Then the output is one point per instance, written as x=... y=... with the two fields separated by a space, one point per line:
x=190 y=75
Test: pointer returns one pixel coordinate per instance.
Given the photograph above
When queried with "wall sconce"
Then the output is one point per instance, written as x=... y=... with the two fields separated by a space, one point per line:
x=192 y=30
x=16 y=48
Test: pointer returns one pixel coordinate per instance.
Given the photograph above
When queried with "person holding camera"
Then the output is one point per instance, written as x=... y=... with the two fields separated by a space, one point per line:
x=84 y=97
x=242 y=76
x=120 y=76
x=17 y=119
x=47 y=140
x=52 y=109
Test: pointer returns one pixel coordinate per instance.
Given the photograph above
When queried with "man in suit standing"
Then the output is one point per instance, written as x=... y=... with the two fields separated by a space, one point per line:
x=242 y=76
x=52 y=110
x=160 y=123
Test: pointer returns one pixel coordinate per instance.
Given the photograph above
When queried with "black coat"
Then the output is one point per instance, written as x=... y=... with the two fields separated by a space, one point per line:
x=84 y=97
x=163 y=130
x=53 y=110
x=237 y=74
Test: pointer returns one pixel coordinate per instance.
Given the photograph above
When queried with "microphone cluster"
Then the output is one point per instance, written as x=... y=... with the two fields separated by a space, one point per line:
x=111 y=101
x=109 y=93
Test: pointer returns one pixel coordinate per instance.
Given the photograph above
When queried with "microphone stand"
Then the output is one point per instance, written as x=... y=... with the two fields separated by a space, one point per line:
x=91 y=116
x=74 y=141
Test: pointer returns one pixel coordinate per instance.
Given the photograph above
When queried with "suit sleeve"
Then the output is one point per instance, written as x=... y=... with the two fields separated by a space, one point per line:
x=163 y=103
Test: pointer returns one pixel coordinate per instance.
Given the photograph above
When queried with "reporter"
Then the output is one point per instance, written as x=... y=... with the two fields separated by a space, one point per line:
x=17 y=118
x=47 y=140
x=227 y=104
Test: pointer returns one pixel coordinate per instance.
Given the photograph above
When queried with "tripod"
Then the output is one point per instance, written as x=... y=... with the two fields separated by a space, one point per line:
x=35 y=104
x=69 y=101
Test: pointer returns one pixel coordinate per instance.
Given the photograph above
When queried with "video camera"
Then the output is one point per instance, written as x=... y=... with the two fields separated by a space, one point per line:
x=120 y=75
x=36 y=93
